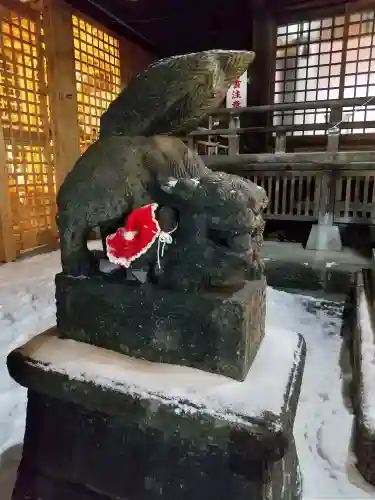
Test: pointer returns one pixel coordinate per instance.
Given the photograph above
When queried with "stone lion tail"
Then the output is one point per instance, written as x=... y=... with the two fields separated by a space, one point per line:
x=174 y=95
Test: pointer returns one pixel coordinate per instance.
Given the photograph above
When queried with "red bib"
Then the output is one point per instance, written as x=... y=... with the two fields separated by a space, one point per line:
x=140 y=233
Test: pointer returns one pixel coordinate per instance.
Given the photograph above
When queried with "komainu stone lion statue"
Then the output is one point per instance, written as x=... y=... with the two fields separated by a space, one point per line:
x=137 y=161
x=220 y=232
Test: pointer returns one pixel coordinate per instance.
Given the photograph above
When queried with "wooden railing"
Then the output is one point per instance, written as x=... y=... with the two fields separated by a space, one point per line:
x=295 y=186
x=226 y=140
x=332 y=185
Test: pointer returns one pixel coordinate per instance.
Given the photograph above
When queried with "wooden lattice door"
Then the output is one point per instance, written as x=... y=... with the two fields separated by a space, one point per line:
x=25 y=123
x=97 y=64
x=330 y=58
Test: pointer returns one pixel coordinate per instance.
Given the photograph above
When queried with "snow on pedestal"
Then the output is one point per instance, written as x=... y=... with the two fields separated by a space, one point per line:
x=213 y=435
x=263 y=389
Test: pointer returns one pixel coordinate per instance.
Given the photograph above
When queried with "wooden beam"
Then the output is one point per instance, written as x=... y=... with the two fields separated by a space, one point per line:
x=261 y=73
x=58 y=36
x=7 y=238
x=106 y=14
x=132 y=60
x=20 y=8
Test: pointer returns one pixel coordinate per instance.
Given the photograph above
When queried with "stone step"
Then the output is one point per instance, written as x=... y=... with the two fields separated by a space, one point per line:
x=289 y=266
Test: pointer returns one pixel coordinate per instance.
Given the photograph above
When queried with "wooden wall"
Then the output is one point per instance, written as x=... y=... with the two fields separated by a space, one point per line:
x=60 y=71
x=133 y=59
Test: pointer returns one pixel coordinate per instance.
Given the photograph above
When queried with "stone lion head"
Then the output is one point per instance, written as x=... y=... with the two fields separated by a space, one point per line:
x=219 y=234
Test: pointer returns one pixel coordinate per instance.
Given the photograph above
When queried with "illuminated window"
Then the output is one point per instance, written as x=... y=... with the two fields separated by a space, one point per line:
x=24 y=115
x=313 y=63
x=97 y=63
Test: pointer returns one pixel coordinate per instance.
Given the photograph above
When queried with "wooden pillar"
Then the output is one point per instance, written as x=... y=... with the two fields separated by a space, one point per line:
x=126 y=58
x=58 y=37
x=7 y=238
x=262 y=74
x=132 y=60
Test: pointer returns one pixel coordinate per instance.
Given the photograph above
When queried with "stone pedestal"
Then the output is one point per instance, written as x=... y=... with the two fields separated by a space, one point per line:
x=210 y=331
x=102 y=426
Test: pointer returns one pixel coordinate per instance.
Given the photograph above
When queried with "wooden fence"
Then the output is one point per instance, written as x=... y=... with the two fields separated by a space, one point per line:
x=295 y=189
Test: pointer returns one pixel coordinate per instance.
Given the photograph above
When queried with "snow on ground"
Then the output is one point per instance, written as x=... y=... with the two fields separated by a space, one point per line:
x=323 y=424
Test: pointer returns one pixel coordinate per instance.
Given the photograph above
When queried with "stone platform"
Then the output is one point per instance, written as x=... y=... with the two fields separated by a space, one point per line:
x=291 y=267
x=221 y=335
x=102 y=426
x=359 y=336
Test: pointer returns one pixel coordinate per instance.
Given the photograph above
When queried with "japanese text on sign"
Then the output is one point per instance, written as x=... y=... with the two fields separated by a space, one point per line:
x=237 y=93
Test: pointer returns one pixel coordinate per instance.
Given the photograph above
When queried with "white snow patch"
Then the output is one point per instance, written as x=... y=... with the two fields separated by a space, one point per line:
x=367 y=363
x=262 y=390
x=322 y=427
x=331 y=264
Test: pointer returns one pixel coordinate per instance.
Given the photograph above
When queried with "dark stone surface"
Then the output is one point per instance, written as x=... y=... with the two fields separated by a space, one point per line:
x=142 y=467
x=364 y=449
x=286 y=472
x=211 y=331
x=85 y=439
x=118 y=459
x=219 y=235
x=358 y=328
x=114 y=176
x=32 y=484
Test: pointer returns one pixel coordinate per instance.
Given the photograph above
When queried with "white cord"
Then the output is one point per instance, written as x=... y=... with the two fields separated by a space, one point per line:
x=163 y=240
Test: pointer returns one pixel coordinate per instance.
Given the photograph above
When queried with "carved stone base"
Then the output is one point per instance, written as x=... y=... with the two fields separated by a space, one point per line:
x=34 y=484
x=102 y=426
x=212 y=332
